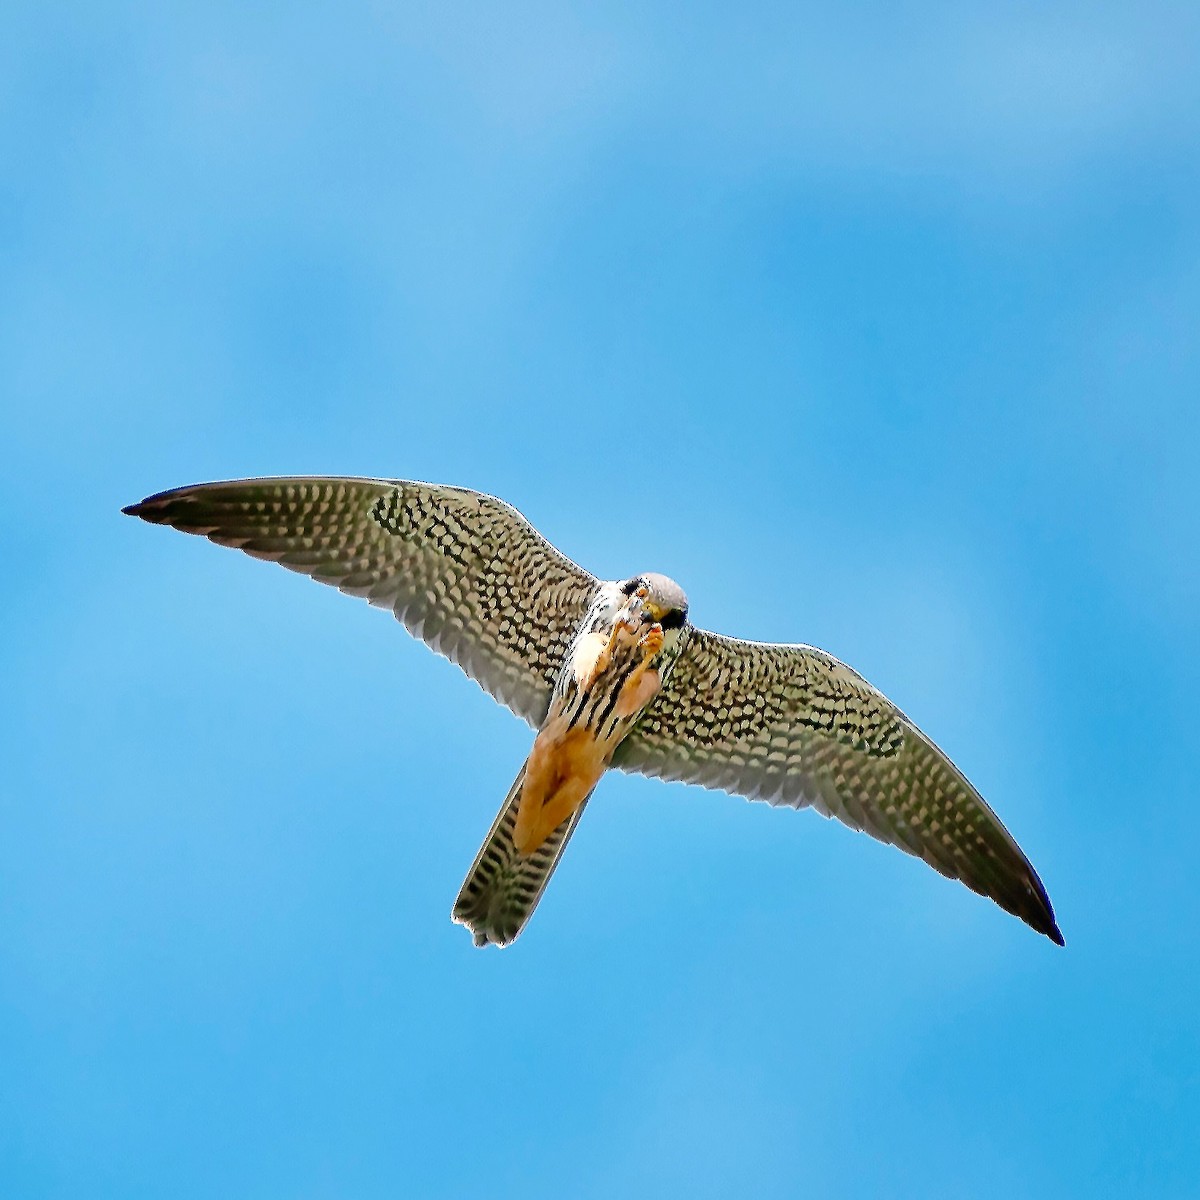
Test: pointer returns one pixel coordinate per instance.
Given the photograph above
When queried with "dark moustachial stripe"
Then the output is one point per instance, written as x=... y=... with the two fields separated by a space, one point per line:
x=673 y=619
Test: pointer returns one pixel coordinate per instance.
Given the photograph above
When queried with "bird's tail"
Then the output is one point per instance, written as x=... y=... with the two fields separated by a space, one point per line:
x=503 y=886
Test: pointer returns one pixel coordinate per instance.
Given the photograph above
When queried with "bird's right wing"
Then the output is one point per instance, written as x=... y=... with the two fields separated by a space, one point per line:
x=792 y=725
x=464 y=571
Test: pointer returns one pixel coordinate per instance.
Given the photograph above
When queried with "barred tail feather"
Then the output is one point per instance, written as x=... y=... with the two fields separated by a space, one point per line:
x=503 y=887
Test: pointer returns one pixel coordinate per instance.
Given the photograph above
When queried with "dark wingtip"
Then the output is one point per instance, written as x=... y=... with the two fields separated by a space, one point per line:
x=1044 y=922
x=1040 y=915
x=152 y=508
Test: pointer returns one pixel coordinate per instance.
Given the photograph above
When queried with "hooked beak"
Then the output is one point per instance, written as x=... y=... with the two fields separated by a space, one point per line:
x=643 y=610
x=639 y=610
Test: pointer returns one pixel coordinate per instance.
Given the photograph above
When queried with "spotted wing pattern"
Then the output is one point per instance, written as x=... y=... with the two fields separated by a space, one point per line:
x=464 y=571
x=792 y=725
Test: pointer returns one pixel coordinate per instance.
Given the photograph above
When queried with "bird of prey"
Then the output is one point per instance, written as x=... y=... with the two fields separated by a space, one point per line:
x=610 y=674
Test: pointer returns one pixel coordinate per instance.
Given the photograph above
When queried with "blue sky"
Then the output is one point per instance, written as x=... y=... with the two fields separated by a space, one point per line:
x=874 y=325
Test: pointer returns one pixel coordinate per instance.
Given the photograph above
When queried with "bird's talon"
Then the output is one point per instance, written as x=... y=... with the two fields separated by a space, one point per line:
x=652 y=641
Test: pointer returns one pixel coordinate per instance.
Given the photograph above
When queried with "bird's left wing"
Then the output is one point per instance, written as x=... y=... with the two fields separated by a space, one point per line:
x=792 y=725
x=464 y=571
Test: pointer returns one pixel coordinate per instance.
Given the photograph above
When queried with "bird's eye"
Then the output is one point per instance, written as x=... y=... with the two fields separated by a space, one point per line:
x=673 y=619
x=630 y=586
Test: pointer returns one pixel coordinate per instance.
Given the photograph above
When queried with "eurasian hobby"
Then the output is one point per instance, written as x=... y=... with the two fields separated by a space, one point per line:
x=611 y=675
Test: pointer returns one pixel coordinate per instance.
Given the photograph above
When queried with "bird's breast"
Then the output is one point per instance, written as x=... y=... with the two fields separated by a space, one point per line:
x=607 y=682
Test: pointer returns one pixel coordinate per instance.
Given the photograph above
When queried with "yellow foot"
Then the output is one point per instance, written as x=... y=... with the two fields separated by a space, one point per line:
x=644 y=681
x=651 y=642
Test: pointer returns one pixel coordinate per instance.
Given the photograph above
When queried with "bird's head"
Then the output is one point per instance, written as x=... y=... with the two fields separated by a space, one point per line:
x=654 y=599
x=646 y=600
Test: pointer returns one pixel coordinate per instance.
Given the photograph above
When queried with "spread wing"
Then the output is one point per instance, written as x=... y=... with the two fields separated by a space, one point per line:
x=792 y=725
x=464 y=571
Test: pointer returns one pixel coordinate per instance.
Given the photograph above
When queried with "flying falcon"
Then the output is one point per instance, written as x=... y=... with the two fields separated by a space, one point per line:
x=610 y=674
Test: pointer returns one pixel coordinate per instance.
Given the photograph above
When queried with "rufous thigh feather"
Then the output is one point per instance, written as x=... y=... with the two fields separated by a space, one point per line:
x=563 y=767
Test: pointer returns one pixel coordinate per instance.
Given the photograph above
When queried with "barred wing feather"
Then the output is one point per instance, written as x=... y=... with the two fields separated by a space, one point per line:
x=464 y=571
x=792 y=725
